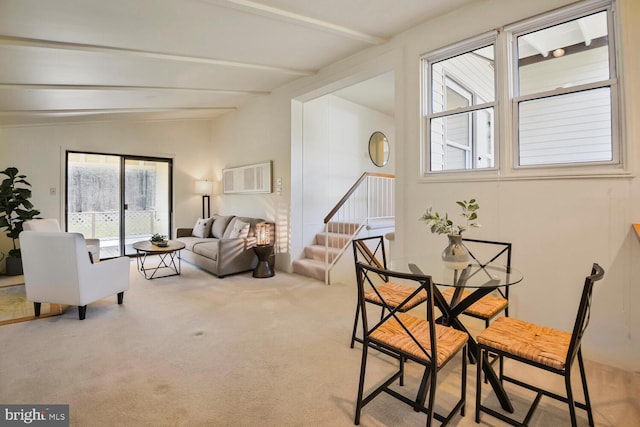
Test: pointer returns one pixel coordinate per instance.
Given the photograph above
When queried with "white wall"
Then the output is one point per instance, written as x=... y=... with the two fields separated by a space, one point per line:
x=335 y=154
x=257 y=133
x=261 y=131
x=38 y=152
x=558 y=226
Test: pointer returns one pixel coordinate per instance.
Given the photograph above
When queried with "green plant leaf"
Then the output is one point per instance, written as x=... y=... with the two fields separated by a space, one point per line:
x=15 y=205
x=15 y=253
x=11 y=172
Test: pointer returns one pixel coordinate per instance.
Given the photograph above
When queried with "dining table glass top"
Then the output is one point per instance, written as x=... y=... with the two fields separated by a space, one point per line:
x=473 y=276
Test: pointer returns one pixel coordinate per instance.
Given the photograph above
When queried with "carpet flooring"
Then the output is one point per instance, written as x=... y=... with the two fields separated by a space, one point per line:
x=194 y=350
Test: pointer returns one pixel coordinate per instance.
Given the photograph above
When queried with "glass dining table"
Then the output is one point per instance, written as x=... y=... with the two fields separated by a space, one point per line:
x=478 y=280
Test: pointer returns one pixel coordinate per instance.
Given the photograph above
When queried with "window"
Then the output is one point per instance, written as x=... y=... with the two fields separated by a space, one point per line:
x=461 y=104
x=563 y=96
x=562 y=93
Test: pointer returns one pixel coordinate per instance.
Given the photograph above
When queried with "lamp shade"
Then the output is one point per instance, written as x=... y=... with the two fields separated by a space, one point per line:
x=204 y=187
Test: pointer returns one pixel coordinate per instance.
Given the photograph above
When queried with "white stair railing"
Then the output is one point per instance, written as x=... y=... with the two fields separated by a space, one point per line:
x=370 y=198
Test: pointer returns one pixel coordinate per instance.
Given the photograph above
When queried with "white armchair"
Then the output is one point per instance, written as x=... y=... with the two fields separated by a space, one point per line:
x=57 y=270
x=52 y=224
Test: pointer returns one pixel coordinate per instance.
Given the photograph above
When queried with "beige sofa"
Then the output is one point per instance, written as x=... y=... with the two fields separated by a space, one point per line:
x=227 y=245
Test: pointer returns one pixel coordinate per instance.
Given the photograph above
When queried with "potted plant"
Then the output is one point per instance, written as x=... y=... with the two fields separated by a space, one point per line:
x=15 y=208
x=159 y=240
x=455 y=255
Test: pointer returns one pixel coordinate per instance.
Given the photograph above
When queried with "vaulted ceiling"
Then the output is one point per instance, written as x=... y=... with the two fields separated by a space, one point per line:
x=76 y=60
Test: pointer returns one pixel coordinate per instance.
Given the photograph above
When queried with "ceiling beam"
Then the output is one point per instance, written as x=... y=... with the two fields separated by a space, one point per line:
x=43 y=86
x=82 y=47
x=305 y=21
x=111 y=110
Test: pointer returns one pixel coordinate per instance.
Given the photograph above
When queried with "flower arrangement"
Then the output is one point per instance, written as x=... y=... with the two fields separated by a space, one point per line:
x=441 y=224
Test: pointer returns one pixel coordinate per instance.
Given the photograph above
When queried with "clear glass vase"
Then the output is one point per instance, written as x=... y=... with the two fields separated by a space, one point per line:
x=455 y=255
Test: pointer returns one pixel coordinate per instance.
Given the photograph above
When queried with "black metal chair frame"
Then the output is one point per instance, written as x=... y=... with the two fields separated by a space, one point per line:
x=504 y=293
x=574 y=350
x=364 y=273
x=362 y=251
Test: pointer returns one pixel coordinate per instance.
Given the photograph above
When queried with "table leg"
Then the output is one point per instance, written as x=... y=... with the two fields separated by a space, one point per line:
x=162 y=263
x=140 y=259
x=450 y=317
x=176 y=268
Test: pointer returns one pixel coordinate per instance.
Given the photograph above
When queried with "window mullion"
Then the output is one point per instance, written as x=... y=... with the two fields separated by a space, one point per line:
x=462 y=110
x=564 y=91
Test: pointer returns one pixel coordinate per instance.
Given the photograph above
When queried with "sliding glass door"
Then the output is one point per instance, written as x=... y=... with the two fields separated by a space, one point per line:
x=147 y=201
x=118 y=199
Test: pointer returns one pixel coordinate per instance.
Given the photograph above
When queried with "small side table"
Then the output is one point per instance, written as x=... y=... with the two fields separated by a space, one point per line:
x=263 y=269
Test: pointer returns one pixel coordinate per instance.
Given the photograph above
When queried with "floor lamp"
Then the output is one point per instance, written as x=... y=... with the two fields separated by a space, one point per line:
x=205 y=188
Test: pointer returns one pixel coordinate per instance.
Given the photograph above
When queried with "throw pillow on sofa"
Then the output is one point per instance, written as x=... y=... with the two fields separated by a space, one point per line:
x=202 y=228
x=219 y=225
x=239 y=229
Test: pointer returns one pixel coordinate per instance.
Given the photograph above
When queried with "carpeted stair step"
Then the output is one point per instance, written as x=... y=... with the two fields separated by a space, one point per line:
x=309 y=268
x=317 y=252
x=336 y=240
x=313 y=264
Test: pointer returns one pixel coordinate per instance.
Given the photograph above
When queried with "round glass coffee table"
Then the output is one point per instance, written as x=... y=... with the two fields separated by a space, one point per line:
x=168 y=255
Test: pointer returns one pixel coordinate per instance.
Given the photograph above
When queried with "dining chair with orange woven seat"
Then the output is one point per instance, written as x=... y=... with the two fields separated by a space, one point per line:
x=371 y=251
x=542 y=347
x=403 y=336
x=489 y=306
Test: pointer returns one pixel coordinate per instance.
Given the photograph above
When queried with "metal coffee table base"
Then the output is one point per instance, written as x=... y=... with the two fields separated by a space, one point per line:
x=167 y=254
x=167 y=260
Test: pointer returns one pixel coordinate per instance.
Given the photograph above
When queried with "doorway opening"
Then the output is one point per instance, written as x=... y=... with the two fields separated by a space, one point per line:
x=118 y=199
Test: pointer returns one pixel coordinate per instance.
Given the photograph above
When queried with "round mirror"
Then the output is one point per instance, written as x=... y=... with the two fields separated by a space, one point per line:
x=379 y=149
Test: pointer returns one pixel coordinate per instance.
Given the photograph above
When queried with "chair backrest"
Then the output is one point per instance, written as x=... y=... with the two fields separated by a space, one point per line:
x=371 y=277
x=584 y=312
x=488 y=251
x=53 y=263
x=370 y=250
x=45 y=224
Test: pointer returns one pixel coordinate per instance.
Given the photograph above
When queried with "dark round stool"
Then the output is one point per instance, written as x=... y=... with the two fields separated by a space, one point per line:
x=263 y=269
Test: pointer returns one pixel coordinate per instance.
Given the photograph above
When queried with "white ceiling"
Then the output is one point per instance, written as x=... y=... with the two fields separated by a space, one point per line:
x=164 y=59
x=377 y=93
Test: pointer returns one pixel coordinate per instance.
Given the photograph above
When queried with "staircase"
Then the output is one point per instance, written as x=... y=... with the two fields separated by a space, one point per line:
x=367 y=202
x=333 y=242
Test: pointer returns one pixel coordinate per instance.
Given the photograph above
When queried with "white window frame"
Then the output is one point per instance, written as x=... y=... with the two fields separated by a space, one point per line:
x=427 y=113
x=548 y=20
x=506 y=144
